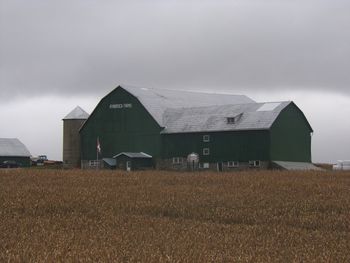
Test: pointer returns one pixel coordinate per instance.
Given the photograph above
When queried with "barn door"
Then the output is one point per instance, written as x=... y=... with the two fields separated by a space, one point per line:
x=220 y=166
x=128 y=166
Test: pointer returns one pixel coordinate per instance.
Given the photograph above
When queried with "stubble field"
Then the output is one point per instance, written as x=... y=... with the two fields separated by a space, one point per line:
x=105 y=216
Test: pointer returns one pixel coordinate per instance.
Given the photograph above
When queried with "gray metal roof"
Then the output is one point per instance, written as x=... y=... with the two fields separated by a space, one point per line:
x=77 y=114
x=13 y=147
x=157 y=101
x=110 y=161
x=251 y=116
x=134 y=155
x=297 y=166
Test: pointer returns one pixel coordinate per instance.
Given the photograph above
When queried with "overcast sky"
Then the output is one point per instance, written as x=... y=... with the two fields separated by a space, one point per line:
x=57 y=54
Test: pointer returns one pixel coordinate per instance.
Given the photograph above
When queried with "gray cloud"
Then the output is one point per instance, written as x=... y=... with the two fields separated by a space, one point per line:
x=86 y=47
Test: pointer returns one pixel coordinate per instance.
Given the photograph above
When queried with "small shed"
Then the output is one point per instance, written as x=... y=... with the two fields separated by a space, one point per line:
x=297 y=166
x=109 y=163
x=12 y=149
x=133 y=161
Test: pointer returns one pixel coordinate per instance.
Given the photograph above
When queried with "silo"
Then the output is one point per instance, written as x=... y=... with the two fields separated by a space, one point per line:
x=71 y=138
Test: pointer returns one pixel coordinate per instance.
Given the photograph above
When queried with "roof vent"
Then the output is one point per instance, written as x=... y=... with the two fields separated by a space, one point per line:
x=235 y=119
x=269 y=106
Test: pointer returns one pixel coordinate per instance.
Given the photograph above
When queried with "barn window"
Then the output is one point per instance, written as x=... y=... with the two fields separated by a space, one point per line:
x=177 y=160
x=230 y=120
x=93 y=163
x=206 y=138
x=203 y=165
x=232 y=164
x=235 y=119
x=206 y=151
x=255 y=163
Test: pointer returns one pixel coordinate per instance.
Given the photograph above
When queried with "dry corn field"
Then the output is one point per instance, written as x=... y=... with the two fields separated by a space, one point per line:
x=110 y=216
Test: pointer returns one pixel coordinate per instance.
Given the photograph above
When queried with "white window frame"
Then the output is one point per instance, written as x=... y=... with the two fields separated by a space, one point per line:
x=177 y=160
x=203 y=165
x=255 y=163
x=232 y=164
x=206 y=151
x=93 y=163
x=206 y=138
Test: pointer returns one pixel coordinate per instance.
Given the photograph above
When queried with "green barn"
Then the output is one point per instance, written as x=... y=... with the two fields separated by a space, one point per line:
x=221 y=131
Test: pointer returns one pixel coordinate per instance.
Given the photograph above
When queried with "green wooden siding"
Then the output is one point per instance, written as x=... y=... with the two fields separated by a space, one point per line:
x=290 y=136
x=125 y=129
x=240 y=146
x=24 y=161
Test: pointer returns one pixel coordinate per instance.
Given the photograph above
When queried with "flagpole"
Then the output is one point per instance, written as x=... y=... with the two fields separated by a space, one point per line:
x=97 y=164
x=97 y=149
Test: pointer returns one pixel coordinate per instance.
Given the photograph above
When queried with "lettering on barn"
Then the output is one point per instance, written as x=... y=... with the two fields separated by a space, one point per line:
x=120 y=106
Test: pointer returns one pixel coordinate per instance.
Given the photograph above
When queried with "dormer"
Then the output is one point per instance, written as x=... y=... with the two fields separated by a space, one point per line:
x=234 y=119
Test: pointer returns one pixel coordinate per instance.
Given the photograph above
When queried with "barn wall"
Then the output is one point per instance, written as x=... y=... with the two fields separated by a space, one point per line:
x=290 y=136
x=240 y=146
x=136 y=163
x=126 y=127
x=24 y=161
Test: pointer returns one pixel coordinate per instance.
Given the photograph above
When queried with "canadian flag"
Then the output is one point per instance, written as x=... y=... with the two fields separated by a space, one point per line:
x=98 y=145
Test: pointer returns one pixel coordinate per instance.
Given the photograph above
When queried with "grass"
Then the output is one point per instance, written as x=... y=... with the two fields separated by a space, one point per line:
x=99 y=216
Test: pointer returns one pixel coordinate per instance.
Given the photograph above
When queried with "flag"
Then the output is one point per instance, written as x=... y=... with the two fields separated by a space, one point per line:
x=98 y=145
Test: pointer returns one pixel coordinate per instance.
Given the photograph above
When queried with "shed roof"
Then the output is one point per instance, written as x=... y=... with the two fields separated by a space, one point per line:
x=110 y=161
x=134 y=155
x=297 y=166
x=157 y=101
x=13 y=147
x=77 y=114
x=251 y=116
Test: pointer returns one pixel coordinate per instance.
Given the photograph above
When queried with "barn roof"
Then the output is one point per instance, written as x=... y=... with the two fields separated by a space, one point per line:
x=250 y=116
x=77 y=114
x=179 y=111
x=157 y=101
x=134 y=155
x=13 y=147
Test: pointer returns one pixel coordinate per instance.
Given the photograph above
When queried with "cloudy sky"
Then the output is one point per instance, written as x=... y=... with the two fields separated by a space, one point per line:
x=55 y=55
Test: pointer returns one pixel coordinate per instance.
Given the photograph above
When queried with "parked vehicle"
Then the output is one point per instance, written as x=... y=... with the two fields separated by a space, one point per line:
x=42 y=159
x=10 y=164
x=342 y=165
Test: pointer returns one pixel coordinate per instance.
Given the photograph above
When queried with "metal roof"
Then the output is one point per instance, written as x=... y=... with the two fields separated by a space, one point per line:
x=215 y=118
x=110 y=161
x=157 y=101
x=297 y=166
x=134 y=155
x=13 y=147
x=77 y=114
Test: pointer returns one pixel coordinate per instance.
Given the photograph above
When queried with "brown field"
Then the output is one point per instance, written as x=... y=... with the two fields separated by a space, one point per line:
x=70 y=216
